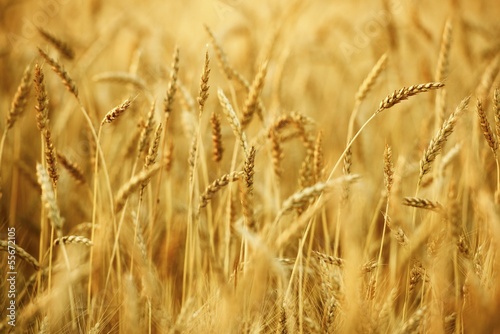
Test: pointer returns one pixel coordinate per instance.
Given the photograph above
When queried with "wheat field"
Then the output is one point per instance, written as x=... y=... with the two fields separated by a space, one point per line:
x=237 y=166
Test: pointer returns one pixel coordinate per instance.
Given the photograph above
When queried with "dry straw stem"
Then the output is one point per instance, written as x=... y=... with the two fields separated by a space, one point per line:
x=73 y=239
x=439 y=139
x=74 y=170
x=7 y=247
x=147 y=128
x=217 y=149
x=422 y=203
x=50 y=156
x=49 y=198
x=217 y=185
x=20 y=98
x=370 y=80
x=404 y=93
x=233 y=120
x=114 y=113
x=485 y=127
x=61 y=72
x=132 y=185
x=204 y=87
x=61 y=46
x=172 y=85
x=251 y=102
x=41 y=107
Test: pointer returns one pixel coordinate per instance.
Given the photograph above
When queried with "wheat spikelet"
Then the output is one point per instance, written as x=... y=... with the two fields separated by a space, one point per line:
x=20 y=98
x=485 y=127
x=132 y=185
x=61 y=72
x=114 y=113
x=49 y=198
x=42 y=112
x=5 y=245
x=61 y=46
x=147 y=128
x=216 y=186
x=370 y=80
x=439 y=140
x=404 y=93
x=50 y=156
x=121 y=77
x=422 y=203
x=74 y=170
x=251 y=102
x=388 y=168
x=217 y=148
x=172 y=85
x=204 y=87
x=233 y=120
x=73 y=239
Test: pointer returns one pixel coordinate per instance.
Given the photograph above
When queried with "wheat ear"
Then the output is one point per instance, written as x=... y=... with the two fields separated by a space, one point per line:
x=61 y=72
x=405 y=92
x=233 y=120
x=6 y=246
x=20 y=98
x=132 y=185
x=114 y=113
x=60 y=45
x=216 y=186
x=49 y=198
